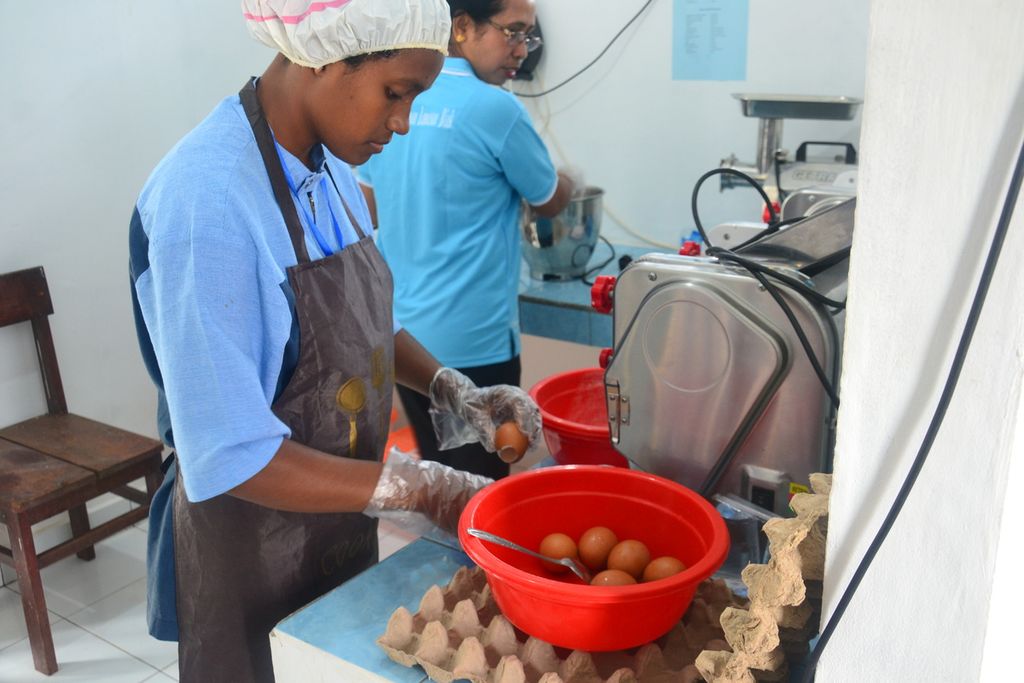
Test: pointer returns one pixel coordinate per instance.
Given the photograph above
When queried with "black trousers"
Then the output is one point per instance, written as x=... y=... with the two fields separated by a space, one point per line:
x=471 y=457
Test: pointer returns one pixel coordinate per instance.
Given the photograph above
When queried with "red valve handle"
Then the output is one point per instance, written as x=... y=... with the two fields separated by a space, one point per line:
x=601 y=293
x=690 y=248
x=766 y=216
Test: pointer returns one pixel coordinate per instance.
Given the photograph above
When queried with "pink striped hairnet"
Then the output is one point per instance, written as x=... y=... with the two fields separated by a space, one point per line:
x=317 y=33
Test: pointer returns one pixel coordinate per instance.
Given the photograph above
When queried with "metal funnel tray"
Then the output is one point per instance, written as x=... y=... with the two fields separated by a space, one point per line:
x=798 y=106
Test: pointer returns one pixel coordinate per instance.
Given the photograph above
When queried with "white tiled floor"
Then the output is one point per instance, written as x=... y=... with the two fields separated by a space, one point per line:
x=98 y=615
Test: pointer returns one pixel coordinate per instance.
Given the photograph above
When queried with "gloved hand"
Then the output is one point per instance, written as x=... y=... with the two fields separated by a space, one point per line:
x=464 y=413
x=418 y=493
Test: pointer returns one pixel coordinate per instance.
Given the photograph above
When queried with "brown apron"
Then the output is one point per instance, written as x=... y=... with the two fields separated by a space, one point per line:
x=241 y=567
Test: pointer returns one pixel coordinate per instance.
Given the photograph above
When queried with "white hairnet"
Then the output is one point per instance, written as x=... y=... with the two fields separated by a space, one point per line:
x=317 y=33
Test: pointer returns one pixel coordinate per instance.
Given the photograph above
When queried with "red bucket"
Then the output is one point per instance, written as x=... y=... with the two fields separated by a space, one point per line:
x=572 y=406
x=559 y=609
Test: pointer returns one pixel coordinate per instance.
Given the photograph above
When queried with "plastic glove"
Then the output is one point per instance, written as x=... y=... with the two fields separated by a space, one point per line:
x=419 y=493
x=464 y=413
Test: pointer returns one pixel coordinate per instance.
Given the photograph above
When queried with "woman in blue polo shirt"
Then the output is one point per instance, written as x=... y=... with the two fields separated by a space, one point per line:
x=447 y=200
x=264 y=316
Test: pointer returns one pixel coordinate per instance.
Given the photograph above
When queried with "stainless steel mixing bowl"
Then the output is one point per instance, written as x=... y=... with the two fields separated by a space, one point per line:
x=559 y=248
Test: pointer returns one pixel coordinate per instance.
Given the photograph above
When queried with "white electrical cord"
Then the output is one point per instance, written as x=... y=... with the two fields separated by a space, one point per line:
x=550 y=133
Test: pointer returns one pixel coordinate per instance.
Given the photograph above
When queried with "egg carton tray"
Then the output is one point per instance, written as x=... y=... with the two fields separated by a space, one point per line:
x=458 y=633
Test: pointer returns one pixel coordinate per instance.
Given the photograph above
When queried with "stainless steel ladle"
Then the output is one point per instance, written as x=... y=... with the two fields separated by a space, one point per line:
x=575 y=567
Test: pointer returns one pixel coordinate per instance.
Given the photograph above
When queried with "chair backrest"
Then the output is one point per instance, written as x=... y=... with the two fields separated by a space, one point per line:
x=24 y=297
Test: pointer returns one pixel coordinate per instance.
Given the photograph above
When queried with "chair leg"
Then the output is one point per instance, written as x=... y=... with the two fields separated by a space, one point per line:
x=80 y=525
x=37 y=620
x=153 y=481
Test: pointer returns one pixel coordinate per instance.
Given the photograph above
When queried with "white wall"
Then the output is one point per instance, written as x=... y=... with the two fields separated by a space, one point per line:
x=943 y=122
x=98 y=90
x=94 y=94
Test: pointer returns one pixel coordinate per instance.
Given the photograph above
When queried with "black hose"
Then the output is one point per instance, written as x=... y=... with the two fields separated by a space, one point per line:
x=773 y=220
x=597 y=268
x=754 y=266
x=593 y=61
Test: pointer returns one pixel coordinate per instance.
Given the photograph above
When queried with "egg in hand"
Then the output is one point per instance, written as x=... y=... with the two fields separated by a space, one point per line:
x=510 y=443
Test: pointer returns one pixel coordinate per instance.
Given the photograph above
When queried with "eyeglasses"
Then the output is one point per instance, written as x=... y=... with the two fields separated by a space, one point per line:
x=531 y=40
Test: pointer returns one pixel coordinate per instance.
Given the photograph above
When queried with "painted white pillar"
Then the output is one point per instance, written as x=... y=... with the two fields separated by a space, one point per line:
x=943 y=121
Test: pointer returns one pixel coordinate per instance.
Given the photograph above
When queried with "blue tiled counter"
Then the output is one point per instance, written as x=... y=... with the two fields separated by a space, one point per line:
x=561 y=310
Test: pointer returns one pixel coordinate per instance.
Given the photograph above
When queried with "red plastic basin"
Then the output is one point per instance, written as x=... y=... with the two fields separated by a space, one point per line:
x=575 y=418
x=668 y=517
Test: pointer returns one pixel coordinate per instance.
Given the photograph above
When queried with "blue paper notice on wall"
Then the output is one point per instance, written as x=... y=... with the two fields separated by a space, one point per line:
x=709 y=40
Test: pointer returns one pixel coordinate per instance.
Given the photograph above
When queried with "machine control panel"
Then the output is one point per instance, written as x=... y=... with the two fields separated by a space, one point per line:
x=765 y=487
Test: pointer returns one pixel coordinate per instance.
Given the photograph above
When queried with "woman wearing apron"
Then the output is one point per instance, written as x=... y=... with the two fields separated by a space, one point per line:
x=264 y=314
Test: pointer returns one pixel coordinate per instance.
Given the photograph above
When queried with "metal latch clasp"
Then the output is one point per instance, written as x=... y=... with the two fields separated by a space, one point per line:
x=618 y=410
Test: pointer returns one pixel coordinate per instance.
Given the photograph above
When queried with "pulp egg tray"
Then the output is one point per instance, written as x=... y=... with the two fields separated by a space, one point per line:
x=458 y=633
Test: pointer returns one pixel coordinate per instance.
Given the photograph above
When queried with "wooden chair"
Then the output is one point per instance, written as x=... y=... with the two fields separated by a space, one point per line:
x=54 y=463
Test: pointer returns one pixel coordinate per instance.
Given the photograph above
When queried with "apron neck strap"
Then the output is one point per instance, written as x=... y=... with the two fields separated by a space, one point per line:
x=352 y=219
x=272 y=162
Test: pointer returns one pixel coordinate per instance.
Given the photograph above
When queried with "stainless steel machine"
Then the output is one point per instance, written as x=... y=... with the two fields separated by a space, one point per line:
x=708 y=382
x=799 y=173
x=797 y=186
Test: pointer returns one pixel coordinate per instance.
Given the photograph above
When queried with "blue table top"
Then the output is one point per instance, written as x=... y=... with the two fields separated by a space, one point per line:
x=561 y=309
x=347 y=621
x=575 y=293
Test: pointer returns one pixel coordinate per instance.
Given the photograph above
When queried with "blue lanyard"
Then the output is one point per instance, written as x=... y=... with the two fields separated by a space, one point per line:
x=317 y=235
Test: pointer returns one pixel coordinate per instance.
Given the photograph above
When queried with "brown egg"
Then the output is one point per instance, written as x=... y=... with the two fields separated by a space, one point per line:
x=594 y=546
x=612 y=577
x=557 y=545
x=629 y=556
x=509 y=442
x=663 y=567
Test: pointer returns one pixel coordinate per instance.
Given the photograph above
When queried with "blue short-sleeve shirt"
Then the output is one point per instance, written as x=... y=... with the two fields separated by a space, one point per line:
x=208 y=253
x=448 y=198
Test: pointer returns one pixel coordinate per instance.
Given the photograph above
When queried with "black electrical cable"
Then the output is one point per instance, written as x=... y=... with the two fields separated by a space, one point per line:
x=804 y=342
x=1012 y=193
x=775 y=228
x=778 y=180
x=811 y=293
x=823 y=264
x=593 y=61
x=759 y=272
x=773 y=217
x=598 y=268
